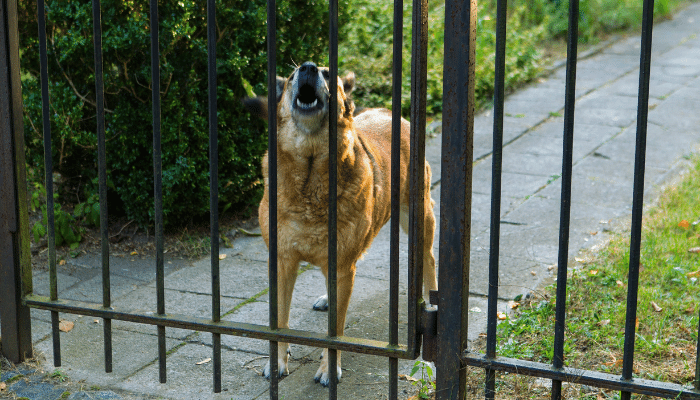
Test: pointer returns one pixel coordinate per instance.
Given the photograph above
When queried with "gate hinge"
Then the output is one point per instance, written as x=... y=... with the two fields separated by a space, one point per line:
x=429 y=328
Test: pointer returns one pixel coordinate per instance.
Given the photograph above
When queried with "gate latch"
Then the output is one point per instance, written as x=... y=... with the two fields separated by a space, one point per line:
x=428 y=328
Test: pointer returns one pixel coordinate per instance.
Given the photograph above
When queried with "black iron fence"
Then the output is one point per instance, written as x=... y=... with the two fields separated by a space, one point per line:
x=450 y=354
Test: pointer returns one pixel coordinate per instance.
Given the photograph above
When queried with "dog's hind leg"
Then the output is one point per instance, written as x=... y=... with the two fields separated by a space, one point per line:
x=346 y=280
x=429 y=277
x=286 y=277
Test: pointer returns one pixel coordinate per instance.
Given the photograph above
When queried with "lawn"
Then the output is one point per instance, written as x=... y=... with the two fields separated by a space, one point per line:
x=668 y=304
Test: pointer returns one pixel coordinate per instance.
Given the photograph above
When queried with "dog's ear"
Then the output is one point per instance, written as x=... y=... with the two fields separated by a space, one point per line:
x=257 y=106
x=280 y=87
x=349 y=83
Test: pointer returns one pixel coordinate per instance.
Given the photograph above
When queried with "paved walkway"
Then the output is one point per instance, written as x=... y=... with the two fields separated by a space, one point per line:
x=602 y=192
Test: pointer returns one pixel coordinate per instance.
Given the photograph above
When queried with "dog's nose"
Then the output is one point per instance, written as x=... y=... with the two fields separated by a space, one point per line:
x=308 y=68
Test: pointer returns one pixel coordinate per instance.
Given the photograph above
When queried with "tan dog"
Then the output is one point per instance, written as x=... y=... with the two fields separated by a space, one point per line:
x=364 y=178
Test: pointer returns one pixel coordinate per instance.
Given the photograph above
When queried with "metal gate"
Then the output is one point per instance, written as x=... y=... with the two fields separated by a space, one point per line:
x=448 y=348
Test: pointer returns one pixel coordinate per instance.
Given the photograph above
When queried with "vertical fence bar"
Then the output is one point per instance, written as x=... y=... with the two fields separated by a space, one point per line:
x=419 y=74
x=565 y=207
x=333 y=197
x=696 y=383
x=394 y=268
x=15 y=262
x=638 y=197
x=496 y=171
x=272 y=183
x=158 y=185
x=48 y=180
x=214 y=189
x=102 y=177
x=455 y=196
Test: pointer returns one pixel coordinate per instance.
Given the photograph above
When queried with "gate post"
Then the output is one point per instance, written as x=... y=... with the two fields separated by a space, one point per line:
x=15 y=262
x=455 y=196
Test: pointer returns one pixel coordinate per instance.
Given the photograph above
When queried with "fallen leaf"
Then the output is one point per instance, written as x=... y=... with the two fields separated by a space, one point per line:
x=475 y=309
x=684 y=224
x=134 y=253
x=593 y=233
x=206 y=360
x=601 y=396
x=482 y=334
x=656 y=307
x=3 y=386
x=694 y=273
x=97 y=321
x=636 y=323
x=533 y=273
x=619 y=284
x=690 y=310
x=579 y=259
x=65 y=326
x=603 y=322
x=513 y=305
x=501 y=315
x=614 y=363
x=694 y=250
x=222 y=256
x=408 y=378
x=593 y=272
x=62 y=262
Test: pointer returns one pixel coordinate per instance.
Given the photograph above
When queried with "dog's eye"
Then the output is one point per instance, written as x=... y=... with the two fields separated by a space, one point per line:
x=326 y=74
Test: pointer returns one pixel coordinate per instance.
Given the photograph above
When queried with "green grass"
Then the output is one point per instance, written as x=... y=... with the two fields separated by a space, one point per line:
x=667 y=307
x=534 y=27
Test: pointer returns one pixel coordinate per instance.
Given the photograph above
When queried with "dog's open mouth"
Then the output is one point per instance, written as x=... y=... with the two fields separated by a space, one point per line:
x=307 y=101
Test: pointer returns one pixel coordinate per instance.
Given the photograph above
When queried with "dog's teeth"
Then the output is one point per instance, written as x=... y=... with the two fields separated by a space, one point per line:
x=306 y=106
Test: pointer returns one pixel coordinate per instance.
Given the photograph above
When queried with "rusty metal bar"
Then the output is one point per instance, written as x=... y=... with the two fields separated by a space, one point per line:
x=565 y=205
x=582 y=377
x=262 y=332
x=272 y=184
x=496 y=172
x=455 y=196
x=638 y=192
x=416 y=170
x=394 y=251
x=333 y=197
x=102 y=177
x=158 y=186
x=214 y=189
x=15 y=263
x=48 y=179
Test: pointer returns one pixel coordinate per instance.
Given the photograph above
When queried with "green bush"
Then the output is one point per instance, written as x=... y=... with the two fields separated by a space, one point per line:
x=241 y=57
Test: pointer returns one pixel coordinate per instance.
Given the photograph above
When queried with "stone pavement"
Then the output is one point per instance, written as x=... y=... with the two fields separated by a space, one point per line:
x=605 y=125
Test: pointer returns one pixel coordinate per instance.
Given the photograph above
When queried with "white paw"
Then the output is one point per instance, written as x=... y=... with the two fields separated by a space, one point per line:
x=321 y=304
x=323 y=377
x=282 y=366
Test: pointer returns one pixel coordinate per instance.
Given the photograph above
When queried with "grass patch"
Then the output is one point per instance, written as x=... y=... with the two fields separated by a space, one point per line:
x=667 y=308
x=535 y=32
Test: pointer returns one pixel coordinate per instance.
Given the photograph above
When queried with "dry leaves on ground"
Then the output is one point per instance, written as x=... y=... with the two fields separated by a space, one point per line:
x=206 y=360
x=408 y=378
x=65 y=326
x=3 y=386
x=656 y=307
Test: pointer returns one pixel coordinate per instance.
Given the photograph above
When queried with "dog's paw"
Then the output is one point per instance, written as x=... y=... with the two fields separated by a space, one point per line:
x=321 y=304
x=323 y=377
x=282 y=366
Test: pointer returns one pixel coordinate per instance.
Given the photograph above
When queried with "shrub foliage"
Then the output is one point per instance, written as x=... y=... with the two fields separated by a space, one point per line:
x=241 y=58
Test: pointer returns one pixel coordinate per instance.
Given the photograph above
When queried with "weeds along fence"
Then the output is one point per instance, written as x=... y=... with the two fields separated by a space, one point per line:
x=443 y=333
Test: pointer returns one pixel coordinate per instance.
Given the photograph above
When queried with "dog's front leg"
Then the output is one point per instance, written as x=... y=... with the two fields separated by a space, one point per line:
x=346 y=280
x=286 y=277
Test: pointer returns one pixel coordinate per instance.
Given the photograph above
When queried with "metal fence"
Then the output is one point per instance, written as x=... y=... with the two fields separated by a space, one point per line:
x=448 y=348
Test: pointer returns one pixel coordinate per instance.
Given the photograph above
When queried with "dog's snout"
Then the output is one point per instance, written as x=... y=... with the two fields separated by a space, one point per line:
x=308 y=68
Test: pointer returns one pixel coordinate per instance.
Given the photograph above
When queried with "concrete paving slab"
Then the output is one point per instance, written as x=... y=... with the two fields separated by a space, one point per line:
x=82 y=353
x=187 y=380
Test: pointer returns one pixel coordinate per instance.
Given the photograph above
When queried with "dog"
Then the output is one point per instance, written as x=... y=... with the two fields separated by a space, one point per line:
x=364 y=180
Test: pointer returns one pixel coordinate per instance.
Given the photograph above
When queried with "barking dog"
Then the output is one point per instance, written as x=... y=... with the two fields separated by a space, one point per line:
x=364 y=178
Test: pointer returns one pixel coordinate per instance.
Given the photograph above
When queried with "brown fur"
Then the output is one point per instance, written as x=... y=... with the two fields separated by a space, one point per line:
x=364 y=177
